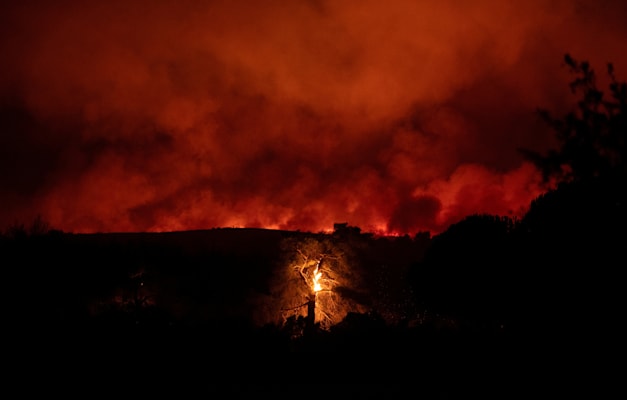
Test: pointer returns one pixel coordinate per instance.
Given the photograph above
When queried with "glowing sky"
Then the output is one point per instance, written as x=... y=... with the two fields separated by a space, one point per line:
x=394 y=116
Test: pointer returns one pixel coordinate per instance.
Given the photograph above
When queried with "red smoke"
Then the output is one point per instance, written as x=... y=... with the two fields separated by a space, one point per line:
x=396 y=117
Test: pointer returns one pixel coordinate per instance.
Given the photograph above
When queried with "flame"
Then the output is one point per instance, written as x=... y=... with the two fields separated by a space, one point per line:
x=316 y=280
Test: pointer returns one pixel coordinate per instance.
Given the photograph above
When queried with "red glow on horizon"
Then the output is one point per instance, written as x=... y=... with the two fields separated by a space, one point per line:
x=398 y=118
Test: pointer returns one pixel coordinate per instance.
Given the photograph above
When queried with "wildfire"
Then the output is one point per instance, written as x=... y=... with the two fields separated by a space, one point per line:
x=316 y=280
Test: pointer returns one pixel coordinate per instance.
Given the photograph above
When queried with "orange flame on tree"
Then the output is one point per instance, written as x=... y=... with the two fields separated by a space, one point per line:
x=316 y=279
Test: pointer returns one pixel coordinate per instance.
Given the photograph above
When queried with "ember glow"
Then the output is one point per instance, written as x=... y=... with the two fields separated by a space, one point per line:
x=397 y=116
x=316 y=279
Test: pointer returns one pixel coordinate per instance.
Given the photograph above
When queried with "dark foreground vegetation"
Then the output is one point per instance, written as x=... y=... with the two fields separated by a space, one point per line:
x=486 y=297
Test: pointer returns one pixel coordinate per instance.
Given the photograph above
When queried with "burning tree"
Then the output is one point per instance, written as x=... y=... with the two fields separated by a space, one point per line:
x=315 y=285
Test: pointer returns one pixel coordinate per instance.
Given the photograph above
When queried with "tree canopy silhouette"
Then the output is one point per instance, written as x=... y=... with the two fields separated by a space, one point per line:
x=465 y=271
x=572 y=237
x=588 y=166
x=591 y=137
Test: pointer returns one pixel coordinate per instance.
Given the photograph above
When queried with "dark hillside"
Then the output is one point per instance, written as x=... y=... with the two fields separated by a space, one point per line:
x=210 y=277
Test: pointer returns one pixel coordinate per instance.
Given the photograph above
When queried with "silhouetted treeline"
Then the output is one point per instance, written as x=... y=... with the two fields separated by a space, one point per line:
x=209 y=278
x=557 y=271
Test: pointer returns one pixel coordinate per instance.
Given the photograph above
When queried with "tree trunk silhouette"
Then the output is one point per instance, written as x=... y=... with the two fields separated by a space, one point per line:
x=310 y=321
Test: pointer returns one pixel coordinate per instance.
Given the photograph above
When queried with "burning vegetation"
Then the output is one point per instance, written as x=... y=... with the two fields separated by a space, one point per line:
x=313 y=284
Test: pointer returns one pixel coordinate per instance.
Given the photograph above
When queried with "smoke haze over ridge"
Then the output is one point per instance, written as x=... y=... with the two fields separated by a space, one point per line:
x=396 y=117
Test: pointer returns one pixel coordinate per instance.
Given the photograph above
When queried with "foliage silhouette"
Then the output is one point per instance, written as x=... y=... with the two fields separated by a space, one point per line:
x=556 y=269
x=559 y=267
x=466 y=272
x=38 y=227
x=572 y=237
x=592 y=137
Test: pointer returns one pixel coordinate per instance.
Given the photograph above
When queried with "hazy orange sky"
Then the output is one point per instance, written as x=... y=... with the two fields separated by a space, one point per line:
x=393 y=116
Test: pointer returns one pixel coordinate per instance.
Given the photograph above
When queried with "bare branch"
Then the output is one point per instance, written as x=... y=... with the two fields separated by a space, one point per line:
x=303 y=255
x=302 y=274
x=326 y=316
x=294 y=308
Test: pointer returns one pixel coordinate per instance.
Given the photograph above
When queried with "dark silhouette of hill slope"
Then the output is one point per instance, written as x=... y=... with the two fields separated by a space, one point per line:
x=206 y=278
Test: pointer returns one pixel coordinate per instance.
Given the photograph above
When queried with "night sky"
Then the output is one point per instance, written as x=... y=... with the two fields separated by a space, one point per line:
x=394 y=116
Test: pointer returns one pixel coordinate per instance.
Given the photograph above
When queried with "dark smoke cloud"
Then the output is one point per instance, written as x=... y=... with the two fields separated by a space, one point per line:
x=396 y=117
